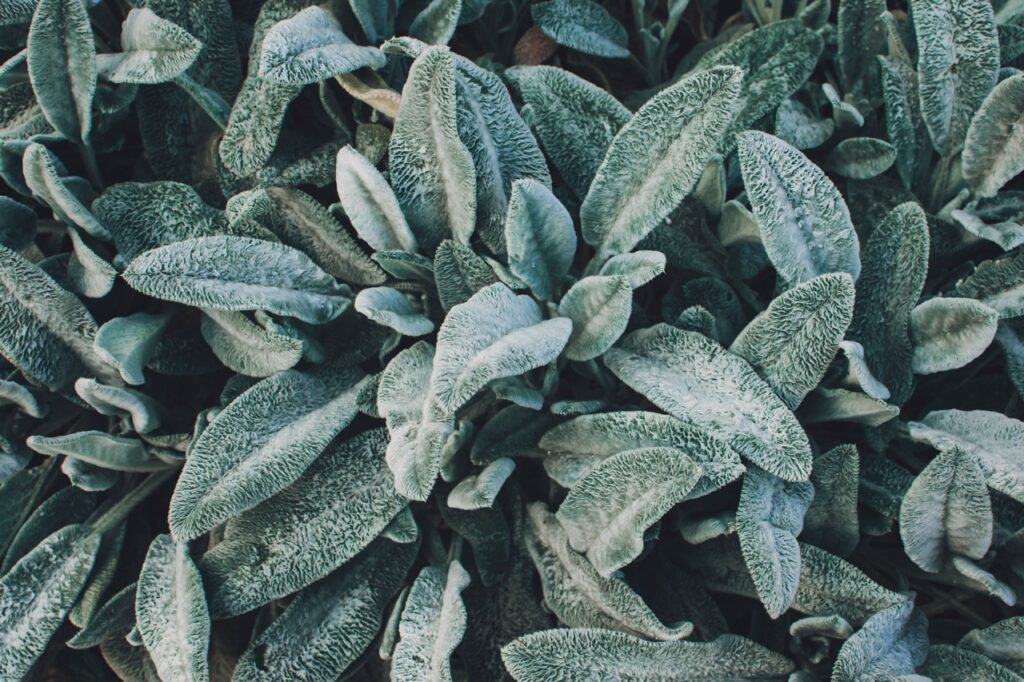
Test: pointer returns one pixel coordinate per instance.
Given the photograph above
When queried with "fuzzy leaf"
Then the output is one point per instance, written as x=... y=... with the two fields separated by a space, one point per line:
x=99 y=449
x=691 y=377
x=903 y=120
x=432 y=625
x=65 y=195
x=65 y=507
x=259 y=444
x=957 y=64
x=891 y=643
x=860 y=36
x=494 y=334
x=769 y=517
x=791 y=344
x=797 y=125
x=593 y=654
x=134 y=407
x=805 y=224
x=645 y=174
x=89 y=273
x=171 y=610
x=479 y=491
x=239 y=273
x=539 y=237
x=437 y=22
x=578 y=594
x=953 y=664
x=599 y=307
x=861 y=158
x=895 y=266
x=393 y=309
x=370 y=203
x=997 y=283
x=607 y=512
x=947 y=511
x=995 y=139
x=831 y=521
x=582 y=25
x=948 y=333
x=311 y=47
x=246 y=347
x=154 y=50
x=1002 y=642
x=128 y=343
x=639 y=267
x=330 y=623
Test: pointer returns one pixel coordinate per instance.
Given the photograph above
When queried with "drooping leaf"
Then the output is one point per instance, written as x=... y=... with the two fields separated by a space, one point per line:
x=338 y=506
x=99 y=449
x=239 y=273
x=639 y=267
x=89 y=273
x=128 y=343
x=259 y=444
x=12 y=393
x=895 y=265
x=948 y=333
x=330 y=623
x=791 y=344
x=154 y=50
x=599 y=307
x=437 y=22
x=171 y=610
x=645 y=174
x=134 y=407
x=891 y=643
x=693 y=378
x=539 y=237
x=805 y=224
x=113 y=619
x=994 y=139
x=66 y=507
x=957 y=64
x=591 y=653
x=393 y=309
x=246 y=347
x=479 y=491
x=998 y=219
x=370 y=203
x=582 y=25
x=607 y=512
x=67 y=196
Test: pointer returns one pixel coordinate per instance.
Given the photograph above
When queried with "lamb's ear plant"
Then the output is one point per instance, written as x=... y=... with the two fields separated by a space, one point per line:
x=487 y=340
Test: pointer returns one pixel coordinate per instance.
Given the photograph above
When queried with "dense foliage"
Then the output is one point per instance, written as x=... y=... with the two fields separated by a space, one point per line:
x=482 y=340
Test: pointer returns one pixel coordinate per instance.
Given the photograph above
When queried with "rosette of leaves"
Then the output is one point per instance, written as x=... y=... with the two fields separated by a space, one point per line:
x=487 y=340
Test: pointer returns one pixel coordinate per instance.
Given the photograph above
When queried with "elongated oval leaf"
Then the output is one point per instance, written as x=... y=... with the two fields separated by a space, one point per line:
x=690 y=376
x=393 y=309
x=948 y=333
x=995 y=138
x=432 y=624
x=338 y=506
x=154 y=50
x=370 y=203
x=99 y=449
x=239 y=273
x=65 y=507
x=246 y=347
x=657 y=159
x=62 y=194
x=891 y=643
x=437 y=22
x=539 y=236
x=861 y=158
x=599 y=307
x=259 y=444
x=831 y=521
x=583 y=25
x=479 y=491
x=171 y=610
x=805 y=224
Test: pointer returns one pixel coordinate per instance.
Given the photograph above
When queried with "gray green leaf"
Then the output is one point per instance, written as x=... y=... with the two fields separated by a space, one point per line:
x=948 y=333
x=582 y=25
x=599 y=307
x=539 y=237
x=995 y=139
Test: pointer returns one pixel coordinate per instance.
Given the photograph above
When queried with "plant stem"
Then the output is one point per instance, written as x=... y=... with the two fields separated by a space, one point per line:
x=119 y=511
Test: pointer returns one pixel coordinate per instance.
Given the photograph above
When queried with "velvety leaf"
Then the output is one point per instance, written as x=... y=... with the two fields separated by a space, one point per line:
x=431 y=626
x=997 y=219
x=997 y=283
x=840 y=404
x=992 y=150
x=239 y=273
x=370 y=203
x=128 y=343
x=798 y=126
x=639 y=267
x=437 y=22
x=599 y=307
x=66 y=507
x=393 y=309
x=959 y=665
x=111 y=621
x=99 y=449
x=135 y=408
x=948 y=333
x=153 y=50
x=861 y=158
x=171 y=610
x=891 y=643
x=479 y=491
x=903 y=119
x=539 y=237
x=831 y=521
x=860 y=35
x=693 y=378
x=805 y=224
x=91 y=276
x=65 y=195
x=1000 y=642
x=582 y=25
x=12 y=393
x=246 y=347
x=259 y=444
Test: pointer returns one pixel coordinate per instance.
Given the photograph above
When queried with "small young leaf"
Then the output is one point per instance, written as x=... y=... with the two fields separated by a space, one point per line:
x=128 y=343
x=171 y=609
x=393 y=309
x=992 y=151
x=693 y=378
x=436 y=24
x=582 y=25
x=111 y=621
x=479 y=491
x=805 y=224
x=891 y=643
x=246 y=347
x=370 y=203
x=136 y=408
x=12 y=393
x=947 y=511
x=861 y=158
x=239 y=273
x=639 y=267
x=645 y=174
x=89 y=273
x=539 y=237
x=154 y=50
x=99 y=449
x=798 y=126
x=948 y=333
x=432 y=625
x=259 y=444
x=999 y=219
x=599 y=307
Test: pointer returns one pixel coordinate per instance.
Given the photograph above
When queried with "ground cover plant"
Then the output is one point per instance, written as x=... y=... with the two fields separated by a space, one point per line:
x=482 y=340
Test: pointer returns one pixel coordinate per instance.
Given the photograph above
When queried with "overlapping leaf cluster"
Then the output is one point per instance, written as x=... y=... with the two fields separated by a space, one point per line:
x=481 y=340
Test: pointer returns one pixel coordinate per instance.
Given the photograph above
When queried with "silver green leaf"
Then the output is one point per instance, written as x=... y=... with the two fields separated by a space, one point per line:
x=370 y=203
x=582 y=25
x=599 y=307
x=893 y=642
x=90 y=275
x=805 y=224
x=65 y=507
x=311 y=47
x=1003 y=642
x=436 y=24
x=639 y=267
x=769 y=518
x=259 y=444
x=494 y=334
x=903 y=119
x=831 y=521
x=607 y=511
x=393 y=309
x=955 y=664
x=948 y=333
x=62 y=65
x=154 y=50
x=578 y=594
x=170 y=608
x=128 y=343
x=246 y=347
x=691 y=377
x=998 y=283
x=539 y=237
x=860 y=35
x=13 y=393
x=861 y=158
x=840 y=404
x=298 y=536
x=330 y=623
x=432 y=171
x=99 y=449
x=994 y=147
x=564 y=655
x=791 y=344
x=67 y=196
x=479 y=491
x=797 y=125
x=432 y=624
x=957 y=64
x=998 y=219
x=657 y=159
x=134 y=407
x=239 y=273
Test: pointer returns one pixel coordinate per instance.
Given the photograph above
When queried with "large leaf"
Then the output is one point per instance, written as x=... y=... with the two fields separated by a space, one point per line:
x=583 y=25
x=154 y=50
x=657 y=159
x=493 y=335
x=805 y=224
x=957 y=64
x=947 y=511
x=340 y=504
x=431 y=626
x=170 y=607
x=370 y=203
x=607 y=512
x=995 y=137
x=239 y=273
x=330 y=623
x=259 y=444
x=539 y=237
x=892 y=642
x=948 y=333
x=791 y=344
x=594 y=654
x=692 y=377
